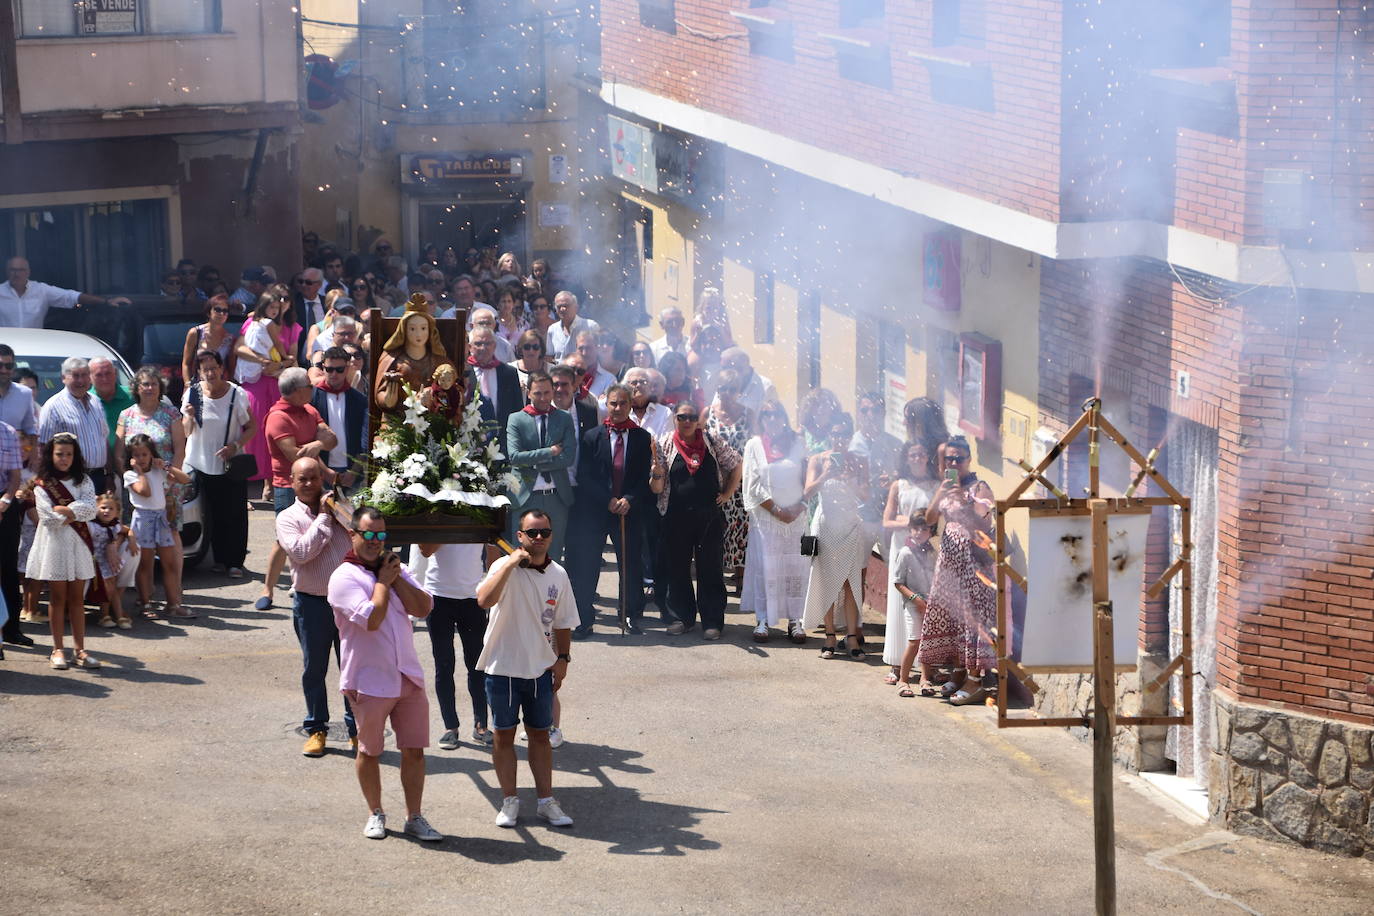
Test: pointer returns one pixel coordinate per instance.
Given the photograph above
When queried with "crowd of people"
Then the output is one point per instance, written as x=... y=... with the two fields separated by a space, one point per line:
x=672 y=447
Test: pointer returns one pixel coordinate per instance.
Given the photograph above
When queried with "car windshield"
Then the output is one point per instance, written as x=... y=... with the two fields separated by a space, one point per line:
x=163 y=342
x=49 y=372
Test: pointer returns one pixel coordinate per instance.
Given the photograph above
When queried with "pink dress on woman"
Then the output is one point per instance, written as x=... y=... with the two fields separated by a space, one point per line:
x=263 y=393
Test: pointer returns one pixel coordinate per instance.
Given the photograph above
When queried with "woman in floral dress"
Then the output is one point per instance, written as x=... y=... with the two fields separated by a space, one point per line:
x=962 y=605
x=731 y=422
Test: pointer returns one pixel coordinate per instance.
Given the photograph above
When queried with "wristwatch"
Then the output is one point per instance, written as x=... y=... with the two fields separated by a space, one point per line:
x=565 y=657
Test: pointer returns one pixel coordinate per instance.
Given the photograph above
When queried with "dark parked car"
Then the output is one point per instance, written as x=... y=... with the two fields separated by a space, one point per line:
x=151 y=330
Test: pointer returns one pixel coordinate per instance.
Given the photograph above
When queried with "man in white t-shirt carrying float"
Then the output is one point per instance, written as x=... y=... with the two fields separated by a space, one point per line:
x=527 y=593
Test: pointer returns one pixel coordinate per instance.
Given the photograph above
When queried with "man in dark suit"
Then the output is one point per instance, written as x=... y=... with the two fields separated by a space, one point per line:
x=542 y=446
x=344 y=408
x=498 y=383
x=583 y=411
x=613 y=467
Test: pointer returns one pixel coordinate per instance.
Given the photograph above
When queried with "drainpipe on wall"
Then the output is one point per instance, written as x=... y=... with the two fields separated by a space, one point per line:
x=9 y=76
x=250 y=182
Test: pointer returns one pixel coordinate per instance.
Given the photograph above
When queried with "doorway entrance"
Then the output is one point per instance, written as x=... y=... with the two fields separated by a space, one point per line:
x=1190 y=461
x=464 y=224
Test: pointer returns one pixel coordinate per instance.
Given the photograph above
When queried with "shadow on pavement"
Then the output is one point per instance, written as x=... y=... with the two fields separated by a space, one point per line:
x=23 y=683
x=130 y=669
x=616 y=815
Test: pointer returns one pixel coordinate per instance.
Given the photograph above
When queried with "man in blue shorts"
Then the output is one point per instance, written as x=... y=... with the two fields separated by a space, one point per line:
x=528 y=594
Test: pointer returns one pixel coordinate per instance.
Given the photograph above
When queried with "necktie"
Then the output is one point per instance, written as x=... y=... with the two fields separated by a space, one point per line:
x=543 y=431
x=618 y=462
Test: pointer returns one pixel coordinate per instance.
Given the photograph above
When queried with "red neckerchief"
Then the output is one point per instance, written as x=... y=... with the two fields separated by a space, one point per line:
x=324 y=386
x=584 y=390
x=59 y=494
x=529 y=409
x=543 y=566
x=623 y=425
x=692 y=453
x=353 y=558
x=494 y=362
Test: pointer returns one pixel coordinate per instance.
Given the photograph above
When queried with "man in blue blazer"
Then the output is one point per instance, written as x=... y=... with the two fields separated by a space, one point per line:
x=344 y=408
x=542 y=446
x=613 y=467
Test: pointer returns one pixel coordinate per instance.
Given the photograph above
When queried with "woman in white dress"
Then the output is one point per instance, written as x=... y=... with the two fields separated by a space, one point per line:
x=836 y=578
x=61 y=554
x=775 y=572
x=909 y=493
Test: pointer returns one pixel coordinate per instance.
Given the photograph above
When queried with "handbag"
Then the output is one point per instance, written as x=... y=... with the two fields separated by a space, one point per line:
x=810 y=545
x=241 y=466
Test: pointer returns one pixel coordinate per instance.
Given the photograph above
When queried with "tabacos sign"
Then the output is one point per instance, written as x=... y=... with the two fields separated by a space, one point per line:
x=418 y=168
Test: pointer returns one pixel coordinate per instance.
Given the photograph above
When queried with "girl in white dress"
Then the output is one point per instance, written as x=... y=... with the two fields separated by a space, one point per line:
x=836 y=579
x=909 y=493
x=61 y=555
x=774 y=570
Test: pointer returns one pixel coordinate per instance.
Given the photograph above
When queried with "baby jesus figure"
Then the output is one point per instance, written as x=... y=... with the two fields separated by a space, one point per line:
x=444 y=395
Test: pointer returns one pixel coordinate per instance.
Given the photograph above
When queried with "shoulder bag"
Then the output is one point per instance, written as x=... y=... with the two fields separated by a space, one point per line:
x=242 y=465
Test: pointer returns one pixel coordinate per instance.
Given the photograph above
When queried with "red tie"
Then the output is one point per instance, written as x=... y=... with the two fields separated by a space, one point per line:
x=618 y=462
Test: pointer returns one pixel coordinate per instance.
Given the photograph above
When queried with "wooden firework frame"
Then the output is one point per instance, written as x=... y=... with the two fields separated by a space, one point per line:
x=1095 y=425
x=1104 y=719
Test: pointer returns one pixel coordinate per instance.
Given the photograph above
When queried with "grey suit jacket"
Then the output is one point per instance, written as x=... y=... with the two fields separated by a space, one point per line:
x=528 y=459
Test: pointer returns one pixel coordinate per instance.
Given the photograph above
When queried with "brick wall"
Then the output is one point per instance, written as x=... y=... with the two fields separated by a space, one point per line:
x=1009 y=155
x=1309 y=104
x=1305 y=600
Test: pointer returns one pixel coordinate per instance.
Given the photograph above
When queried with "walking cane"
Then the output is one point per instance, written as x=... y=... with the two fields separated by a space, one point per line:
x=622 y=575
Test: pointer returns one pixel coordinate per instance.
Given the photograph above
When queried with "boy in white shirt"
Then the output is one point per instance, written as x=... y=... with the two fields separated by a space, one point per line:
x=912 y=572
x=527 y=593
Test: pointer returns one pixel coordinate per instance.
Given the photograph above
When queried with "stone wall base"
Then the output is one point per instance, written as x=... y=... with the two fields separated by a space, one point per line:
x=1135 y=748
x=1292 y=778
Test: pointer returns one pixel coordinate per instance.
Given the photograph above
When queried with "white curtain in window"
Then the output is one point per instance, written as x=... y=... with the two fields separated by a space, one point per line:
x=178 y=15
x=39 y=18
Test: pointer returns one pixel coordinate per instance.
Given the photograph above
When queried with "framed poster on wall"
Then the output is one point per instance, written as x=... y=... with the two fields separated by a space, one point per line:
x=980 y=386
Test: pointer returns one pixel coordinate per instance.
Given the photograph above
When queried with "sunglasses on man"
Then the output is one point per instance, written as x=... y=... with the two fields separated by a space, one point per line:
x=370 y=535
x=537 y=534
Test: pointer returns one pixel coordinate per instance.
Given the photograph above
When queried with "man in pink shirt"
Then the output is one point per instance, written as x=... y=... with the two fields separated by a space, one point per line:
x=316 y=544
x=371 y=594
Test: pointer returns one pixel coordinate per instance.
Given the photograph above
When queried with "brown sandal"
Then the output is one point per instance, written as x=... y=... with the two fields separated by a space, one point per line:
x=905 y=691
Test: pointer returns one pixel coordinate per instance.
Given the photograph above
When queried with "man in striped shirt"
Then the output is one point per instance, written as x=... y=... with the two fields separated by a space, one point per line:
x=73 y=410
x=316 y=543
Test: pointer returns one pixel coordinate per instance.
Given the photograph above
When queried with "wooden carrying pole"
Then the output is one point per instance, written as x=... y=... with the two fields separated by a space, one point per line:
x=1104 y=711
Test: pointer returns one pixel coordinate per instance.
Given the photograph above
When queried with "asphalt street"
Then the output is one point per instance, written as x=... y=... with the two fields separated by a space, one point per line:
x=703 y=777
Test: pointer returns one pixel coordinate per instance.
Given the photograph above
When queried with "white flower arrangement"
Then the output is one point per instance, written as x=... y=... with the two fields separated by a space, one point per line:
x=422 y=461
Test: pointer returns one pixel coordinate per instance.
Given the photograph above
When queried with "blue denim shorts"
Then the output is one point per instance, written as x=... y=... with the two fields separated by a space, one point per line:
x=508 y=697
x=283 y=498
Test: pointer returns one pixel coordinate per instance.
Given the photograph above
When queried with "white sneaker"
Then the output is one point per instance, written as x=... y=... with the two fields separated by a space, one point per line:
x=376 y=826
x=555 y=736
x=550 y=812
x=523 y=735
x=418 y=827
x=510 y=812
